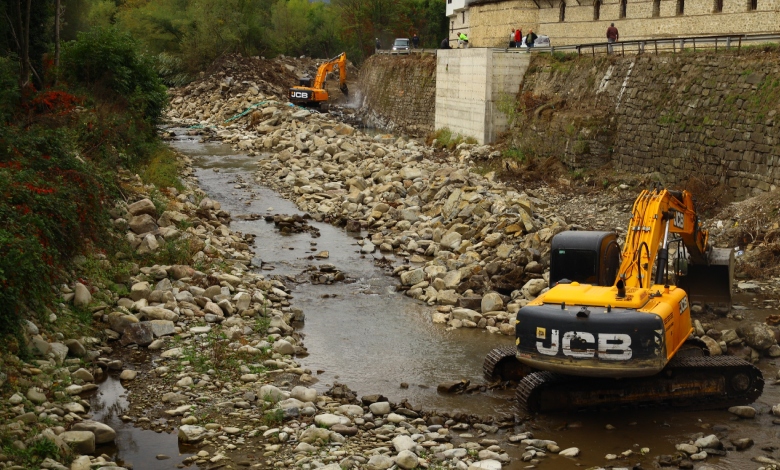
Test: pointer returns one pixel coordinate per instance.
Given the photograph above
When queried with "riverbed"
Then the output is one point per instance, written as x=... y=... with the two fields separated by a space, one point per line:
x=365 y=334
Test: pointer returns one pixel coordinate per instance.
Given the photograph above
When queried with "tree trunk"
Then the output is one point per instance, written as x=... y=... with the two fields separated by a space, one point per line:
x=57 y=15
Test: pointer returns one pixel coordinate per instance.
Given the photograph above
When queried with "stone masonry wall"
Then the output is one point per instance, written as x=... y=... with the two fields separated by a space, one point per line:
x=673 y=117
x=399 y=92
x=491 y=21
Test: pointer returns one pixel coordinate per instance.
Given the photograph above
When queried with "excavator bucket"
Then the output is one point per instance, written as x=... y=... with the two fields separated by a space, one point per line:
x=710 y=284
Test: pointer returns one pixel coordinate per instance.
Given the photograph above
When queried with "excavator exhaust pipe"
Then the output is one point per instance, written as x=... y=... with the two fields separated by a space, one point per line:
x=710 y=284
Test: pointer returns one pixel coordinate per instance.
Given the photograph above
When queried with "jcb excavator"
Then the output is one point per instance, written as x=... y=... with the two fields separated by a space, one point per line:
x=314 y=94
x=612 y=332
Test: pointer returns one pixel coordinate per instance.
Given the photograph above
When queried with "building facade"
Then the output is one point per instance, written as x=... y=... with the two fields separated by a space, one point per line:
x=489 y=23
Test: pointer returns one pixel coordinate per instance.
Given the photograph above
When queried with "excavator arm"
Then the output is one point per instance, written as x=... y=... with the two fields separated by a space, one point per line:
x=655 y=215
x=340 y=61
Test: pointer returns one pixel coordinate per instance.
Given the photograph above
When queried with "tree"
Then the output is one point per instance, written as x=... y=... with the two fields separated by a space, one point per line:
x=26 y=35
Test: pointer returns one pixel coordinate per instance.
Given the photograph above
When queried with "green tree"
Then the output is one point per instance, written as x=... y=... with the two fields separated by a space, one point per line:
x=108 y=60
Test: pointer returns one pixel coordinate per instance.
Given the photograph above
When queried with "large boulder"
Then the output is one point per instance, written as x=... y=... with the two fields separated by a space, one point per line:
x=83 y=442
x=758 y=336
x=492 y=302
x=82 y=297
x=141 y=224
x=144 y=206
x=159 y=313
x=103 y=433
x=533 y=288
x=138 y=333
x=189 y=434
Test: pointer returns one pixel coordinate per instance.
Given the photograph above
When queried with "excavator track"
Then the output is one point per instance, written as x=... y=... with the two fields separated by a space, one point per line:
x=502 y=364
x=693 y=383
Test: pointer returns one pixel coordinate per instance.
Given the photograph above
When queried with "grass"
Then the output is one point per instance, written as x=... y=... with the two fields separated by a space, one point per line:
x=35 y=452
x=445 y=138
x=162 y=170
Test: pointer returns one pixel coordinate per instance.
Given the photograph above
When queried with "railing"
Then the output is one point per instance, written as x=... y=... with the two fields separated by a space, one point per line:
x=407 y=52
x=728 y=42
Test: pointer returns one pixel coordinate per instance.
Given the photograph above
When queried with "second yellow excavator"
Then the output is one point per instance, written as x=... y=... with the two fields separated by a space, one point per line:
x=613 y=332
x=313 y=94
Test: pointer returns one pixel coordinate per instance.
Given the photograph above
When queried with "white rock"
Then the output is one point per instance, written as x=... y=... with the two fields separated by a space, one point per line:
x=491 y=302
x=283 y=347
x=485 y=465
x=103 y=433
x=272 y=394
x=570 y=452
x=380 y=408
x=82 y=298
x=402 y=443
x=190 y=434
x=327 y=420
x=406 y=459
x=380 y=462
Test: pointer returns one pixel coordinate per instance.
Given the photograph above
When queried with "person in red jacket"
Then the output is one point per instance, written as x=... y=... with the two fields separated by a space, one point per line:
x=518 y=37
x=612 y=36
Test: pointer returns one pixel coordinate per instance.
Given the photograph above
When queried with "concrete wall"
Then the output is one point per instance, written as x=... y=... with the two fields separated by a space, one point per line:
x=470 y=83
x=491 y=22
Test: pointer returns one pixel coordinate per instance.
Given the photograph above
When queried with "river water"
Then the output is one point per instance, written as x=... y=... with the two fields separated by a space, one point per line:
x=368 y=336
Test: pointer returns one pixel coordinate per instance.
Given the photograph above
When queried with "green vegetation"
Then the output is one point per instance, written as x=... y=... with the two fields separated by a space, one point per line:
x=63 y=134
x=445 y=138
x=185 y=37
x=35 y=452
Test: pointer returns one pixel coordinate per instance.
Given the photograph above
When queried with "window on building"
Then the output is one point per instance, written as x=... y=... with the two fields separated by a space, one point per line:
x=452 y=26
x=562 y=12
x=623 y=8
x=656 y=8
x=752 y=5
x=680 y=7
x=718 y=7
x=463 y=17
x=449 y=1
x=597 y=10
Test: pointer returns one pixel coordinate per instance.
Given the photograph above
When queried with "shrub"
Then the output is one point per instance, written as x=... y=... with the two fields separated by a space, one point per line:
x=109 y=61
x=52 y=202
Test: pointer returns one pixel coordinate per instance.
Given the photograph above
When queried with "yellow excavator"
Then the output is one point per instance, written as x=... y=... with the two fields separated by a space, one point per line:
x=313 y=94
x=615 y=329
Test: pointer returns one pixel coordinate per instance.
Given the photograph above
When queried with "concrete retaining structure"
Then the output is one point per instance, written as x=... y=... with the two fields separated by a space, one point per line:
x=470 y=84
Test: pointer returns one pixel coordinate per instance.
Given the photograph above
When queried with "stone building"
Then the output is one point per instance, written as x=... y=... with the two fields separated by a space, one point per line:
x=488 y=23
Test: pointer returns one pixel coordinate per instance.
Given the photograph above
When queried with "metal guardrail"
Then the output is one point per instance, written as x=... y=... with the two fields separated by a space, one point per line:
x=410 y=51
x=679 y=44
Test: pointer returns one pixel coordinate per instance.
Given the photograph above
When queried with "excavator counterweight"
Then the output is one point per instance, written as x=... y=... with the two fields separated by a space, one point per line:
x=610 y=326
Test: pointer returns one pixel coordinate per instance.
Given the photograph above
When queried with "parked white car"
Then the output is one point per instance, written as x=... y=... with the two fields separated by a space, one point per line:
x=402 y=46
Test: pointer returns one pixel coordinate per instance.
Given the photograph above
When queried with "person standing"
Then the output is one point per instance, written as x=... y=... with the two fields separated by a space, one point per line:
x=529 y=40
x=378 y=44
x=518 y=37
x=612 y=37
x=512 y=38
x=415 y=41
x=463 y=40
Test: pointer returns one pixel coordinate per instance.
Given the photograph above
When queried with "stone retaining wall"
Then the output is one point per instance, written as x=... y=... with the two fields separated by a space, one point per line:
x=712 y=116
x=399 y=92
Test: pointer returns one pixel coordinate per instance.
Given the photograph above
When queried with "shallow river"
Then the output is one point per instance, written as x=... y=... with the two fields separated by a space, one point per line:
x=364 y=334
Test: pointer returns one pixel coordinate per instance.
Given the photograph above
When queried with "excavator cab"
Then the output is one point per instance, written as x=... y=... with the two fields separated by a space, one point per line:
x=586 y=257
x=305 y=81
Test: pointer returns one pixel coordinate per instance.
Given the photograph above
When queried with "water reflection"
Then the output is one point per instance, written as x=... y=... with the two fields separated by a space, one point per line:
x=133 y=446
